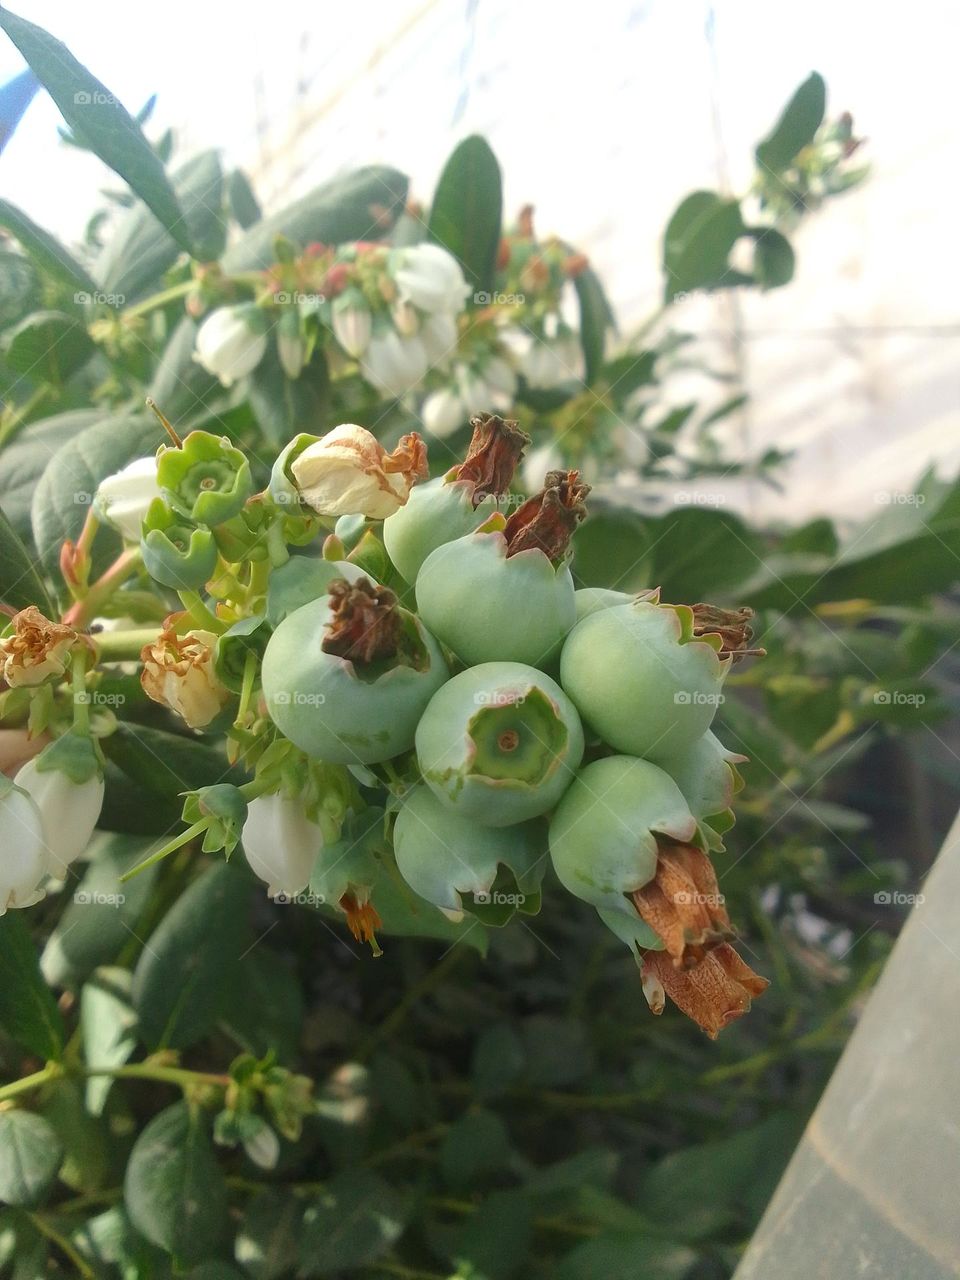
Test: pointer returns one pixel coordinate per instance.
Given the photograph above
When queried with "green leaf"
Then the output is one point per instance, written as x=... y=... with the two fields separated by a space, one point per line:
x=68 y=485
x=28 y=1011
x=30 y=1155
x=48 y=346
x=108 y=1028
x=697 y=244
x=99 y=120
x=701 y=553
x=773 y=259
x=466 y=211
x=557 y=1050
x=101 y=913
x=24 y=460
x=242 y=200
x=498 y=1060
x=166 y=763
x=20 y=584
x=265 y=1006
x=180 y=985
x=173 y=1189
x=181 y=386
x=626 y=1256
x=493 y=1243
x=283 y=406
x=596 y=317
x=86 y=1162
x=797 y=126
x=356 y=1219
x=612 y=549
x=474 y=1149
x=48 y=254
x=361 y=205
x=139 y=249
x=268 y=1237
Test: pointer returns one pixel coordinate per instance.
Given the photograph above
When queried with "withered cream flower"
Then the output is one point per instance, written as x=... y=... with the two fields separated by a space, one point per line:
x=36 y=649
x=178 y=673
x=348 y=472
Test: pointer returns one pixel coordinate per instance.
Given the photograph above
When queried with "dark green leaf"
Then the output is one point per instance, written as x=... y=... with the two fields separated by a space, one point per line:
x=48 y=346
x=626 y=1256
x=68 y=485
x=28 y=1011
x=697 y=244
x=612 y=549
x=99 y=120
x=773 y=259
x=139 y=249
x=498 y=1060
x=165 y=763
x=268 y=1238
x=100 y=912
x=86 y=1162
x=283 y=406
x=48 y=254
x=466 y=211
x=493 y=1243
x=181 y=386
x=108 y=1027
x=361 y=205
x=701 y=553
x=20 y=583
x=24 y=460
x=473 y=1150
x=797 y=126
x=354 y=1221
x=596 y=317
x=173 y=1188
x=30 y=1156
x=241 y=199
x=180 y=986
x=557 y=1050
x=265 y=1007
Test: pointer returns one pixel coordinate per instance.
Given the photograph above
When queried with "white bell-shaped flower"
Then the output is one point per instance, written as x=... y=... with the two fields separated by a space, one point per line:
x=281 y=843
x=123 y=498
x=22 y=866
x=443 y=412
x=393 y=364
x=69 y=810
x=430 y=278
x=231 y=342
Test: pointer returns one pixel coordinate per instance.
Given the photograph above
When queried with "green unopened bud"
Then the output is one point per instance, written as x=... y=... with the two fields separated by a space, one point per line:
x=175 y=551
x=225 y=808
x=246 y=637
x=206 y=478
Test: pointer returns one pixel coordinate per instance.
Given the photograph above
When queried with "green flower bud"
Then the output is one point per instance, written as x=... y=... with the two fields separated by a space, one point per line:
x=603 y=838
x=225 y=808
x=248 y=636
x=443 y=856
x=205 y=479
x=499 y=743
x=175 y=552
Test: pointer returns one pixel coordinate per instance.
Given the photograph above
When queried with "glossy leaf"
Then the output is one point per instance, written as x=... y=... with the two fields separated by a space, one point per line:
x=98 y=118
x=30 y=1156
x=466 y=211
x=28 y=1011
x=350 y=1224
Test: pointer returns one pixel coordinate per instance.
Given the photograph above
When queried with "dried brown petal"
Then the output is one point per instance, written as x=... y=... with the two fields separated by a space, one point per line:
x=683 y=904
x=715 y=992
x=36 y=649
x=365 y=624
x=731 y=625
x=546 y=521
x=496 y=448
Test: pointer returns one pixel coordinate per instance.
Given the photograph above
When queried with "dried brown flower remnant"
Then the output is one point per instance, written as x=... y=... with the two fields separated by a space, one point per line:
x=36 y=648
x=178 y=673
x=683 y=905
x=495 y=451
x=731 y=625
x=365 y=624
x=546 y=521
x=362 y=921
x=714 y=992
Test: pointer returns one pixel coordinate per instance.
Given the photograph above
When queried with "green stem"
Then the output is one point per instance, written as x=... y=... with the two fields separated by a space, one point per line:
x=160 y=299
x=246 y=688
x=52 y=1071
x=62 y=1243
x=115 y=646
x=18 y=417
x=200 y=615
x=124 y=567
x=81 y=707
x=156 y=1072
x=170 y=847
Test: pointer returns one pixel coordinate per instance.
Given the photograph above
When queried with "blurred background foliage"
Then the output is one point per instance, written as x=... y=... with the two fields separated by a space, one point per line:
x=490 y=1103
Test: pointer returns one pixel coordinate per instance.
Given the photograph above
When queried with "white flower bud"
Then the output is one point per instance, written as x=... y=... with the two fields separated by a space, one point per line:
x=501 y=381
x=123 y=498
x=430 y=278
x=394 y=365
x=291 y=347
x=281 y=843
x=231 y=342
x=22 y=866
x=69 y=812
x=544 y=368
x=352 y=323
x=348 y=472
x=405 y=319
x=438 y=333
x=443 y=412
